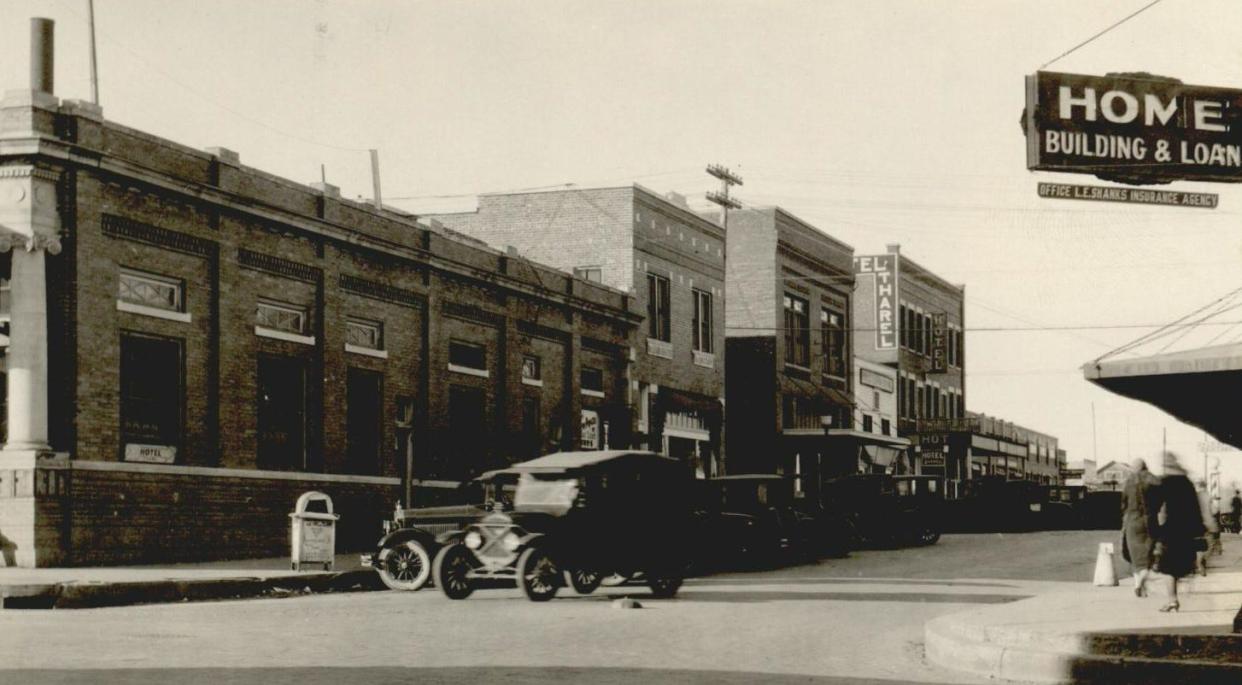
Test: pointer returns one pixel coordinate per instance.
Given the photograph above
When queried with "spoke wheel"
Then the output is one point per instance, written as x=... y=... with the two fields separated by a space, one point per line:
x=584 y=581
x=452 y=571
x=664 y=584
x=405 y=566
x=538 y=575
x=929 y=535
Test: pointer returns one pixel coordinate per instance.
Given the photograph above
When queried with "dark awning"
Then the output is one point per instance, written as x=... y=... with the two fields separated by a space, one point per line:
x=1197 y=386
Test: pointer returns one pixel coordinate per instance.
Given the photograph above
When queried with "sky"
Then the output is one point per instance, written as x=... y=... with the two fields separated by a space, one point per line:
x=887 y=121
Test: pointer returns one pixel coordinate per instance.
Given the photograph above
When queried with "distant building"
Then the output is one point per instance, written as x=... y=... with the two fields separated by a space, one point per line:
x=672 y=261
x=1080 y=473
x=1112 y=475
x=1006 y=449
x=911 y=320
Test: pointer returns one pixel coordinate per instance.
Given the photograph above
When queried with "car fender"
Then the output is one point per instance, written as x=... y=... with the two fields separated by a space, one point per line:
x=396 y=537
x=448 y=538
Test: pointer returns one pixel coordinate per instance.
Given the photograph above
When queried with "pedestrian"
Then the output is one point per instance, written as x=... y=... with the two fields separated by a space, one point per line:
x=1139 y=507
x=1211 y=542
x=1235 y=510
x=1180 y=528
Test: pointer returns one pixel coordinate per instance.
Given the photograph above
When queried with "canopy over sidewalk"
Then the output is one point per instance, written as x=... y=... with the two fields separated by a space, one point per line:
x=1191 y=368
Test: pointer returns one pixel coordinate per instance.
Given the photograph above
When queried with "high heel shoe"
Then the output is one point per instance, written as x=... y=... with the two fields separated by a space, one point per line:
x=1171 y=606
x=1140 y=590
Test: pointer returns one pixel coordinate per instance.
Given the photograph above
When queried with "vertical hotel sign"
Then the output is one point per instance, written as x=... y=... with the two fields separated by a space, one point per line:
x=884 y=269
x=940 y=343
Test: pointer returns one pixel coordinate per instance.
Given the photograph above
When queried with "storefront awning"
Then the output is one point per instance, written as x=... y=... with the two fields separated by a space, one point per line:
x=865 y=438
x=1198 y=386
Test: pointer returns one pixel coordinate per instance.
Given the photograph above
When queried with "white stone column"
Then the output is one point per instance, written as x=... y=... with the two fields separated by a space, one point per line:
x=30 y=229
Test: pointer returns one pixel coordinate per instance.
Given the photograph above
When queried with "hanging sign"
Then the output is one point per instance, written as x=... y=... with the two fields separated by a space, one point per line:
x=1138 y=196
x=940 y=343
x=884 y=269
x=1134 y=128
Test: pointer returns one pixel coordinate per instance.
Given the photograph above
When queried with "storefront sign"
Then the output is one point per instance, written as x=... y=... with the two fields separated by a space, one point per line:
x=590 y=430
x=877 y=380
x=152 y=454
x=884 y=269
x=1134 y=128
x=940 y=343
x=933 y=459
x=1138 y=196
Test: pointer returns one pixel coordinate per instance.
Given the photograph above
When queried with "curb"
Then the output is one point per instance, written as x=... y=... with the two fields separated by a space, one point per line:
x=94 y=594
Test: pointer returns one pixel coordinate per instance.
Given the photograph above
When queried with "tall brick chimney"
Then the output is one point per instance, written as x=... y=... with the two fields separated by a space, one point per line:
x=42 y=54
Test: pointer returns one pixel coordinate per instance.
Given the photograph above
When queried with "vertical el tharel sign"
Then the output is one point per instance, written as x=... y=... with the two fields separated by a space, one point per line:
x=883 y=270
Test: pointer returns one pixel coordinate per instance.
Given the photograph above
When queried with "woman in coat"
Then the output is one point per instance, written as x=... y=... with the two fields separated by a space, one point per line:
x=1180 y=528
x=1139 y=506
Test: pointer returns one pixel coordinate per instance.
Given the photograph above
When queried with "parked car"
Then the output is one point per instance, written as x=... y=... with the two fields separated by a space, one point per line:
x=995 y=503
x=1102 y=509
x=577 y=517
x=1063 y=508
x=403 y=555
x=886 y=509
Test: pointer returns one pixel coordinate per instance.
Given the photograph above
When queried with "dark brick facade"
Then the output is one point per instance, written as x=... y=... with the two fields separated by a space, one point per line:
x=232 y=236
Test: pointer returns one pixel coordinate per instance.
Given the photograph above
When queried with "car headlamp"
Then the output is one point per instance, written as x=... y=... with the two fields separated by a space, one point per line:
x=473 y=540
x=511 y=542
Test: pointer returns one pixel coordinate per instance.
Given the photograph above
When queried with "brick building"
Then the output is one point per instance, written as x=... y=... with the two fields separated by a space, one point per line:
x=790 y=368
x=672 y=260
x=1003 y=448
x=193 y=343
x=910 y=319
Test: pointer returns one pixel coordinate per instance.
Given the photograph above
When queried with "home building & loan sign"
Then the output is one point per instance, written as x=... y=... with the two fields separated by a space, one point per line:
x=1133 y=128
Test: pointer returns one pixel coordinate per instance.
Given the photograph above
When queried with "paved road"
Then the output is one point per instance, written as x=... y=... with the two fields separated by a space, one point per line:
x=853 y=620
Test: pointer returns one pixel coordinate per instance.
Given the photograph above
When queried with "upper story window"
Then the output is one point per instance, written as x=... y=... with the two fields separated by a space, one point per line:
x=285 y=318
x=151 y=290
x=467 y=355
x=832 y=329
x=797 y=331
x=903 y=322
x=592 y=381
x=590 y=273
x=926 y=337
x=659 y=317
x=702 y=321
x=364 y=334
x=532 y=368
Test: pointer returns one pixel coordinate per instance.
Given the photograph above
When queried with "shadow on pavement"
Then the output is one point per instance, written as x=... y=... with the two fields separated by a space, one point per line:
x=911 y=597
x=846 y=581
x=447 y=675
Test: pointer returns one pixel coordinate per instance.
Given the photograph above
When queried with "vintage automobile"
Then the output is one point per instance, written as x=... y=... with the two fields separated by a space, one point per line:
x=886 y=509
x=577 y=517
x=403 y=555
x=749 y=518
x=1063 y=507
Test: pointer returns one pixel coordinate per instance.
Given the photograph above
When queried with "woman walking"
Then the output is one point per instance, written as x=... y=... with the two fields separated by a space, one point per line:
x=1180 y=528
x=1139 y=505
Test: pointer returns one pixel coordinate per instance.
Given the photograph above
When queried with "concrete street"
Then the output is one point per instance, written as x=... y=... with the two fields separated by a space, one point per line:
x=858 y=619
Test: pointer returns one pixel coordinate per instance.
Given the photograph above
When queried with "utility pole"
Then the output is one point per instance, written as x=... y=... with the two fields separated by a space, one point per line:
x=728 y=179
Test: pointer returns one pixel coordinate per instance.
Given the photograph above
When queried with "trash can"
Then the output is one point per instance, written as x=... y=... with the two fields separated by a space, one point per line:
x=313 y=532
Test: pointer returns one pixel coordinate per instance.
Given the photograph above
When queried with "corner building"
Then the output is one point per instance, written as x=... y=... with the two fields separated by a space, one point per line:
x=911 y=320
x=193 y=343
x=672 y=261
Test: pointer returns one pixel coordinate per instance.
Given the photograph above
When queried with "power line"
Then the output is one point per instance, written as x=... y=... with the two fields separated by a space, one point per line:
x=1110 y=28
x=996 y=329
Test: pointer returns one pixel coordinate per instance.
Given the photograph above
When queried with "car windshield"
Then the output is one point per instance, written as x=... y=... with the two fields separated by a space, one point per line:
x=555 y=495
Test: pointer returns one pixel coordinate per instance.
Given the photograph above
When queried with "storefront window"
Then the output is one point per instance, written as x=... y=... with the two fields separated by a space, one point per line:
x=797 y=332
x=151 y=395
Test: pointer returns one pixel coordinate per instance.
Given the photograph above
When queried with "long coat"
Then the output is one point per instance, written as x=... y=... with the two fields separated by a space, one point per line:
x=1140 y=502
x=1182 y=523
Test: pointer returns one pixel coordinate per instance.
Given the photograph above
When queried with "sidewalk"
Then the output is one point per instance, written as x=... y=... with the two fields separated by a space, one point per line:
x=64 y=588
x=1083 y=633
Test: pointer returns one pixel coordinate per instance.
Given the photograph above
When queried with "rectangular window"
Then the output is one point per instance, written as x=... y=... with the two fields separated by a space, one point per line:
x=866 y=423
x=886 y=427
x=281 y=413
x=532 y=369
x=150 y=290
x=594 y=274
x=466 y=355
x=466 y=446
x=904 y=324
x=658 y=308
x=276 y=316
x=364 y=334
x=364 y=401
x=919 y=411
x=832 y=329
x=532 y=434
x=702 y=321
x=592 y=381
x=152 y=390
x=927 y=330
x=797 y=332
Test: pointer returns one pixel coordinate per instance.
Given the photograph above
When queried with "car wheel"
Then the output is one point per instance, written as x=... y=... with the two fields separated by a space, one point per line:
x=584 y=581
x=537 y=575
x=452 y=571
x=663 y=586
x=404 y=566
x=928 y=535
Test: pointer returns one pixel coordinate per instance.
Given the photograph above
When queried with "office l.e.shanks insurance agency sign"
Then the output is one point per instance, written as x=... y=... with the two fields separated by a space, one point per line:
x=1133 y=128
